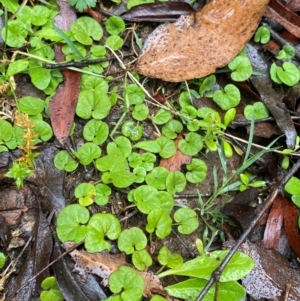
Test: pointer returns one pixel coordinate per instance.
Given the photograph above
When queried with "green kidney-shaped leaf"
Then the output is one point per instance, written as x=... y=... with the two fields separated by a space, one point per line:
x=157 y=177
x=122 y=144
x=86 y=29
x=150 y=146
x=175 y=182
x=114 y=42
x=146 y=198
x=241 y=67
x=169 y=259
x=131 y=284
x=63 y=161
x=172 y=128
x=159 y=221
x=141 y=259
x=293 y=186
x=51 y=290
x=191 y=144
x=99 y=226
x=288 y=73
x=102 y=194
x=134 y=94
x=167 y=147
x=6 y=130
x=31 y=105
x=132 y=239
x=17 y=31
x=228 y=98
x=94 y=104
x=85 y=193
x=187 y=218
x=88 y=153
x=95 y=131
x=258 y=108
x=197 y=171
x=71 y=223
x=162 y=116
x=43 y=129
x=16 y=67
x=114 y=25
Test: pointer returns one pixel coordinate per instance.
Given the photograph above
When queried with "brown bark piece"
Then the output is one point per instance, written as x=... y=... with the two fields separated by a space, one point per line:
x=199 y=43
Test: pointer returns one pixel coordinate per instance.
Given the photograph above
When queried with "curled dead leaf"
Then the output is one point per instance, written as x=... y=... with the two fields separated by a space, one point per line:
x=199 y=43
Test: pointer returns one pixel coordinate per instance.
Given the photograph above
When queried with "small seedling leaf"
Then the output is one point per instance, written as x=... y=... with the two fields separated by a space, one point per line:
x=134 y=94
x=132 y=239
x=31 y=105
x=166 y=200
x=187 y=218
x=129 y=282
x=292 y=186
x=262 y=35
x=289 y=74
x=141 y=259
x=63 y=161
x=175 y=182
x=102 y=194
x=88 y=153
x=157 y=178
x=51 y=290
x=169 y=259
x=99 y=226
x=260 y=111
x=162 y=116
x=228 y=98
x=114 y=25
x=159 y=221
x=146 y=198
x=167 y=147
x=287 y=52
x=86 y=29
x=191 y=144
x=132 y=131
x=140 y=112
x=85 y=193
x=241 y=67
x=95 y=131
x=197 y=170
x=172 y=128
x=71 y=223
x=121 y=144
x=114 y=42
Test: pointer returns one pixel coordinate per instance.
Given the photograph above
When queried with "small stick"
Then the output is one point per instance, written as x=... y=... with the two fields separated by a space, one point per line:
x=82 y=63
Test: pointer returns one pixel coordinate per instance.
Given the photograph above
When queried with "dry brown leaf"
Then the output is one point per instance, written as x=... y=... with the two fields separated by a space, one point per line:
x=104 y=263
x=284 y=16
x=197 y=44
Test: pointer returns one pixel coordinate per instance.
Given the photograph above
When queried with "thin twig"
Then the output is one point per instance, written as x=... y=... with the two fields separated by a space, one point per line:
x=272 y=197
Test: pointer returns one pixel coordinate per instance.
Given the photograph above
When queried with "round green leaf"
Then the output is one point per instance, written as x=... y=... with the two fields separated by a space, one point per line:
x=167 y=147
x=134 y=94
x=175 y=182
x=262 y=35
x=258 y=108
x=43 y=129
x=146 y=198
x=99 y=226
x=172 y=128
x=17 y=31
x=169 y=259
x=120 y=143
x=86 y=29
x=159 y=221
x=132 y=131
x=94 y=104
x=88 y=152
x=6 y=130
x=31 y=105
x=114 y=42
x=63 y=161
x=157 y=177
x=95 y=131
x=288 y=73
x=191 y=144
x=141 y=259
x=71 y=223
x=241 y=67
x=114 y=25
x=85 y=193
x=127 y=281
x=102 y=194
x=140 y=112
x=197 y=171
x=187 y=218
x=228 y=98
x=162 y=116
x=132 y=239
